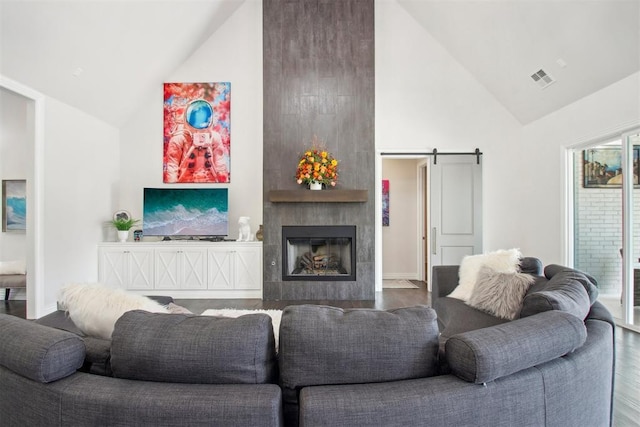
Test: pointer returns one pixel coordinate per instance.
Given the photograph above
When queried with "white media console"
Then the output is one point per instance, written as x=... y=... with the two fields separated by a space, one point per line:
x=183 y=269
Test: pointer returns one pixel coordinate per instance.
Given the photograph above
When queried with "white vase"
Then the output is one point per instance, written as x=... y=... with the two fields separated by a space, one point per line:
x=123 y=235
x=315 y=185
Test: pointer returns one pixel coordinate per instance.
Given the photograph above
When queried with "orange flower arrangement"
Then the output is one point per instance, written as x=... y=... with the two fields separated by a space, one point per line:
x=317 y=165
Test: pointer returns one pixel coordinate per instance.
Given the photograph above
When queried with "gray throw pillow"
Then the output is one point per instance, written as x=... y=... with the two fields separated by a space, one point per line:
x=589 y=282
x=500 y=294
x=560 y=293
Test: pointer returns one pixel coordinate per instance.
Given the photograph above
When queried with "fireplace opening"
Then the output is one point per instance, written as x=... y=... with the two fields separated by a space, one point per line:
x=319 y=253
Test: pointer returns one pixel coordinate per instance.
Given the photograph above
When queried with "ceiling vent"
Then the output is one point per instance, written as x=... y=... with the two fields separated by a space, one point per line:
x=542 y=78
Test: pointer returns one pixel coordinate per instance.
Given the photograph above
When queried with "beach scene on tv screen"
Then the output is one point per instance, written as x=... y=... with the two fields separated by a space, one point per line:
x=185 y=212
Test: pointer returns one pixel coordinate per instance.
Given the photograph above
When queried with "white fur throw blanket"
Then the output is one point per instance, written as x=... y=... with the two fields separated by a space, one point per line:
x=95 y=308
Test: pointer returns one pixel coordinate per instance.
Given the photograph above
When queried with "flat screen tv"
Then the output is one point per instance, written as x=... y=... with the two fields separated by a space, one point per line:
x=185 y=212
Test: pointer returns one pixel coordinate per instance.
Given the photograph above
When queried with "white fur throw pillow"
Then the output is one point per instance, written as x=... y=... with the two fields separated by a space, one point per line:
x=500 y=294
x=94 y=308
x=502 y=261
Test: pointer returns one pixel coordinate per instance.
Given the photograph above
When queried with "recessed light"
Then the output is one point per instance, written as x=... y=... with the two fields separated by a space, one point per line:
x=78 y=71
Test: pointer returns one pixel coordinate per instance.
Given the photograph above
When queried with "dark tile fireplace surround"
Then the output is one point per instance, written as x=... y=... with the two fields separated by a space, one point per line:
x=318 y=79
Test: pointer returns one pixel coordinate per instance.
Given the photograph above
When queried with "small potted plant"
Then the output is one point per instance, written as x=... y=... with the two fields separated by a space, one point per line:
x=123 y=222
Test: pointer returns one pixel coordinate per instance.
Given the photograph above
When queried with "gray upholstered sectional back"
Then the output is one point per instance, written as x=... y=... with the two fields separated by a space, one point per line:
x=334 y=368
x=170 y=370
x=548 y=369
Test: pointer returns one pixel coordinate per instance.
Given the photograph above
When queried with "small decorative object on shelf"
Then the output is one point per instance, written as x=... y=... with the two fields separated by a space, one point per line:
x=260 y=233
x=244 y=229
x=317 y=167
x=123 y=222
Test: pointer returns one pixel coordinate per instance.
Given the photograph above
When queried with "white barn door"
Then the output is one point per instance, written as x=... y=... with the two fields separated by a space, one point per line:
x=456 y=208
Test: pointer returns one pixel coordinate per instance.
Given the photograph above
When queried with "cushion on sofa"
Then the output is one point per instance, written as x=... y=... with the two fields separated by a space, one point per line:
x=194 y=349
x=457 y=317
x=38 y=352
x=503 y=261
x=328 y=345
x=562 y=292
x=486 y=354
x=589 y=282
x=500 y=294
x=13 y=267
x=531 y=265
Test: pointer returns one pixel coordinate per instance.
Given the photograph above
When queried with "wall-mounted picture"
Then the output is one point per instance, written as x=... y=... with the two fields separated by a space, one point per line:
x=385 y=202
x=14 y=205
x=602 y=167
x=197 y=135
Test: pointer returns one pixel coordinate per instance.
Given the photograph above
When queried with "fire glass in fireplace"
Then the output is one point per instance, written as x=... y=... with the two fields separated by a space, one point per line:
x=319 y=253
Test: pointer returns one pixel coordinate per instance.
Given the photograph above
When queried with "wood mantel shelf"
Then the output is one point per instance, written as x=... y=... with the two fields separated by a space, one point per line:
x=323 y=196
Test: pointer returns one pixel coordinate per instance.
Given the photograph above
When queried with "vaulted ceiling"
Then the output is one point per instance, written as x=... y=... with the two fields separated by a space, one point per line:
x=583 y=45
x=104 y=57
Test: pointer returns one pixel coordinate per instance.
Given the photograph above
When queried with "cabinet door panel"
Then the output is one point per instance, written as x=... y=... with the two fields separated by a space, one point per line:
x=193 y=269
x=220 y=269
x=248 y=269
x=140 y=269
x=167 y=269
x=113 y=270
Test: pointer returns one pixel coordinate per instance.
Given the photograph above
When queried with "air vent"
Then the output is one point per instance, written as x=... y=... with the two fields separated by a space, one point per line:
x=542 y=78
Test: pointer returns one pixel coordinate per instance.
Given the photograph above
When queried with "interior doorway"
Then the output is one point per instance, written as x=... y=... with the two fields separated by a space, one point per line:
x=442 y=212
x=404 y=239
x=33 y=130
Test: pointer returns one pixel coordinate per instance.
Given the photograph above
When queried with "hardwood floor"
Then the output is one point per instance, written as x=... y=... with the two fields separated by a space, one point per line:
x=626 y=407
x=626 y=397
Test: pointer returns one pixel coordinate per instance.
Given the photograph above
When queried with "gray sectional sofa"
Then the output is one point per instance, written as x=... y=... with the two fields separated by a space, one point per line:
x=168 y=370
x=574 y=388
x=552 y=366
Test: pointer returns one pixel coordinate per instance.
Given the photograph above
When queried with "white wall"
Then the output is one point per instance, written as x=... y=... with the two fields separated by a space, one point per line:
x=14 y=138
x=233 y=54
x=425 y=100
x=542 y=166
x=399 y=239
x=80 y=170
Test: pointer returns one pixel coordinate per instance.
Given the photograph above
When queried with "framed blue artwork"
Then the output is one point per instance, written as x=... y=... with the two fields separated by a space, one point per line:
x=14 y=205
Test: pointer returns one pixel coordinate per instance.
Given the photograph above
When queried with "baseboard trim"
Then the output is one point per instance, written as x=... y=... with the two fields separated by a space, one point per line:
x=405 y=276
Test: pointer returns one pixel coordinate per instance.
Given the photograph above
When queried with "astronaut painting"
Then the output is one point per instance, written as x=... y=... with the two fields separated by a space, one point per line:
x=197 y=137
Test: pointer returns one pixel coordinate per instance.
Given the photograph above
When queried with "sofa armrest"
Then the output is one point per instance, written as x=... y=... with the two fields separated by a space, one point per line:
x=486 y=354
x=38 y=352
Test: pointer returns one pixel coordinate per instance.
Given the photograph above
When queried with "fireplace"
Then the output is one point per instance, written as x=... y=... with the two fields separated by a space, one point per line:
x=319 y=253
x=333 y=98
